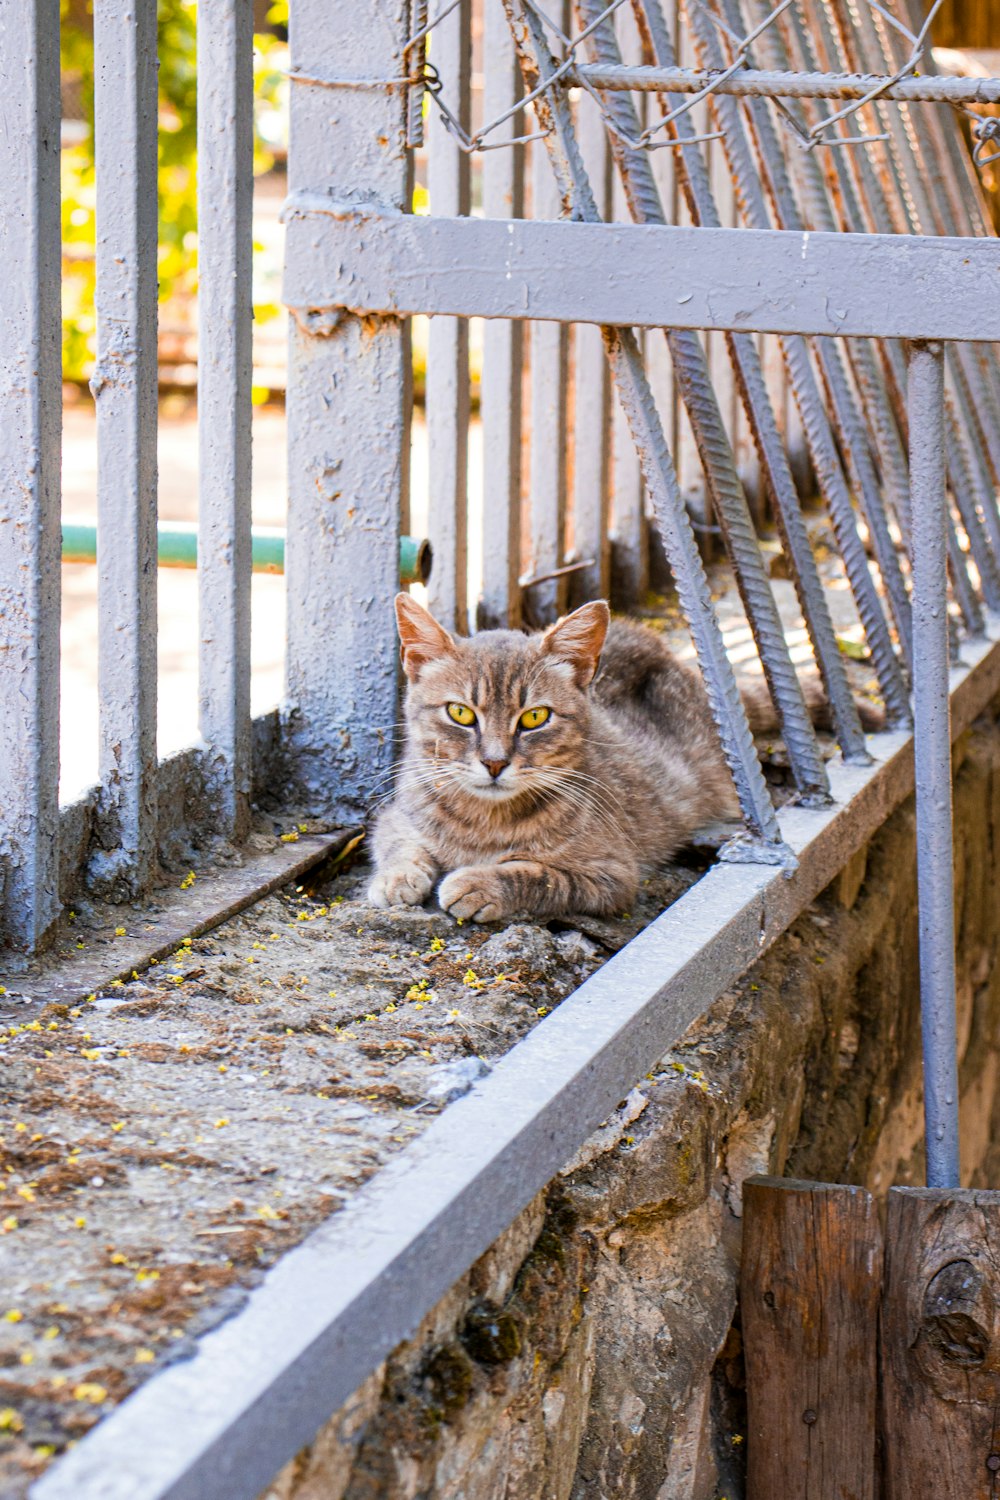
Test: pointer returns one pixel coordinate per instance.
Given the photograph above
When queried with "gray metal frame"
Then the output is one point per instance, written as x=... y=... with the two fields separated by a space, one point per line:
x=30 y=417
x=883 y=286
x=904 y=443
x=225 y=239
x=124 y=386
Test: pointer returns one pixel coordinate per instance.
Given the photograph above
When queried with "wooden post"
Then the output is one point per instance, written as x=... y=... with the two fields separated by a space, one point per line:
x=809 y=1292
x=941 y=1345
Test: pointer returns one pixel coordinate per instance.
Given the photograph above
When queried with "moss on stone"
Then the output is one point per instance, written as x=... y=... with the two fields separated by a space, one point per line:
x=490 y=1334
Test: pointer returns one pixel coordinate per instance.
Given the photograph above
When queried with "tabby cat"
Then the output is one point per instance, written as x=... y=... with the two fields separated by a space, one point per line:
x=533 y=782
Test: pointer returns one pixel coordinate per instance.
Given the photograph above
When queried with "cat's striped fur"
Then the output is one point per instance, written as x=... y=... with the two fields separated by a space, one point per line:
x=626 y=767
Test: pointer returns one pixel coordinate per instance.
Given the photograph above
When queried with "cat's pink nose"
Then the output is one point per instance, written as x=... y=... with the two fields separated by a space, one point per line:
x=495 y=767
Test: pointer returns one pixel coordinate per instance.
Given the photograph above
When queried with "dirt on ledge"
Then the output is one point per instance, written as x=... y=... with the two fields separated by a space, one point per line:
x=167 y=1140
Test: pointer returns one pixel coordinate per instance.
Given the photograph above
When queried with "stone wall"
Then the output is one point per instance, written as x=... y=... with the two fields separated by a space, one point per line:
x=594 y=1351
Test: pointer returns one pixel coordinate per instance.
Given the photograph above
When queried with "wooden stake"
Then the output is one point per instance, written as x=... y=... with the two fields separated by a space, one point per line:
x=812 y=1260
x=941 y=1345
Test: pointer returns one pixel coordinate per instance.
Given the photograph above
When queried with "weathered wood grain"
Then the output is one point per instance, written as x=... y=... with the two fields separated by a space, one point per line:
x=941 y=1345
x=809 y=1292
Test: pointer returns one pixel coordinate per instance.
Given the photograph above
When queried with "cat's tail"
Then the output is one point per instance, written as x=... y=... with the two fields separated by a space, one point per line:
x=764 y=720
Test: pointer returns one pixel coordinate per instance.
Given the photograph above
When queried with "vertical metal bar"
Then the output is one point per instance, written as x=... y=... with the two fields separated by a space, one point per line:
x=448 y=343
x=549 y=395
x=630 y=555
x=503 y=343
x=30 y=421
x=932 y=760
x=225 y=312
x=658 y=361
x=690 y=469
x=414 y=63
x=124 y=384
x=348 y=425
x=637 y=401
x=691 y=370
x=592 y=397
x=742 y=350
x=795 y=351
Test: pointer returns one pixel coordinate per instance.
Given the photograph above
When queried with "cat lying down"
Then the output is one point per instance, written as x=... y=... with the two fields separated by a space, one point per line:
x=545 y=773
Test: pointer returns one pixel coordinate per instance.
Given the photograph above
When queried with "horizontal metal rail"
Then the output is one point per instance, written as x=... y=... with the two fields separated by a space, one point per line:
x=778 y=84
x=641 y=275
x=260 y=1386
x=177 y=547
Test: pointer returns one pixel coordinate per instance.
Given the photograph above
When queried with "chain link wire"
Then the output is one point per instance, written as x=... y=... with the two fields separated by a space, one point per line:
x=421 y=77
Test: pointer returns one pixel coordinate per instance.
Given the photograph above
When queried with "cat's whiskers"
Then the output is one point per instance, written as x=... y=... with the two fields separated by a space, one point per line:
x=419 y=779
x=578 y=789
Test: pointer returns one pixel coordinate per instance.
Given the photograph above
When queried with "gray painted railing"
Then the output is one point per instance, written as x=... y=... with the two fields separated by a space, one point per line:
x=592 y=425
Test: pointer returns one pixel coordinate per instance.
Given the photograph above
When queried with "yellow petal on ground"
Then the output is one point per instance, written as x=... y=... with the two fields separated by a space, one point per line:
x=89 y=1390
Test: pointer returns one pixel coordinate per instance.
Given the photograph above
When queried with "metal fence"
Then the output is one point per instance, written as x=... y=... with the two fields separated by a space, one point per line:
x=795 y=220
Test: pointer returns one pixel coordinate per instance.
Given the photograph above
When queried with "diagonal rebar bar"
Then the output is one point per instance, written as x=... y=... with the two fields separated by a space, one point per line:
x=695 y=183
x=819 y=437
x=637 y=401
x=695 y=385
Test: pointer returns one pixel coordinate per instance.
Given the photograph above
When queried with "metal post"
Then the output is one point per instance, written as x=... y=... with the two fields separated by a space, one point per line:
x=549 y=387
x=225 y=239
x=629 y=526
x=503 y=347
x=125 y=390
x=932 y=758
x=348 y=423
x=447 y=400
x=30 y=415
x=592 y=397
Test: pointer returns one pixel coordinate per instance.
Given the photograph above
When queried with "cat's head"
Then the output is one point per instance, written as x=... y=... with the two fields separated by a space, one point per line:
x=499 y=714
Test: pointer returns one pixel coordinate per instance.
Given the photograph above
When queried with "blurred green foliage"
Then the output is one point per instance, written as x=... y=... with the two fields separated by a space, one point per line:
x=178 y=231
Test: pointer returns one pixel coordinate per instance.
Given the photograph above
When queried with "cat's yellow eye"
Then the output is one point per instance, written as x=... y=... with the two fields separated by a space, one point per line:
x=461 y=714
x=534 y=718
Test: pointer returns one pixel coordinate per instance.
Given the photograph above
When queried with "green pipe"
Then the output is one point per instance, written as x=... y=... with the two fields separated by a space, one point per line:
x=177 y=547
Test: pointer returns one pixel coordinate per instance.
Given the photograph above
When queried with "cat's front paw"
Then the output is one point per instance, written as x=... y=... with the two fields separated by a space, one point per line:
x=478 y=892
x=400 y=885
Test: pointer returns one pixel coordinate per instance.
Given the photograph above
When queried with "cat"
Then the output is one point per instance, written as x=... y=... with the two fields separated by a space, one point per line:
x=544 y=774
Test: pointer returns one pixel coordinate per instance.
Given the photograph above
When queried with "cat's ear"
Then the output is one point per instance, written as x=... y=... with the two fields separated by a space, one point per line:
x=578 y=639
x=421 y=638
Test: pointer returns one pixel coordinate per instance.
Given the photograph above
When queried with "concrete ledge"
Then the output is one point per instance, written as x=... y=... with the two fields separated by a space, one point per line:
x=329 y=1313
